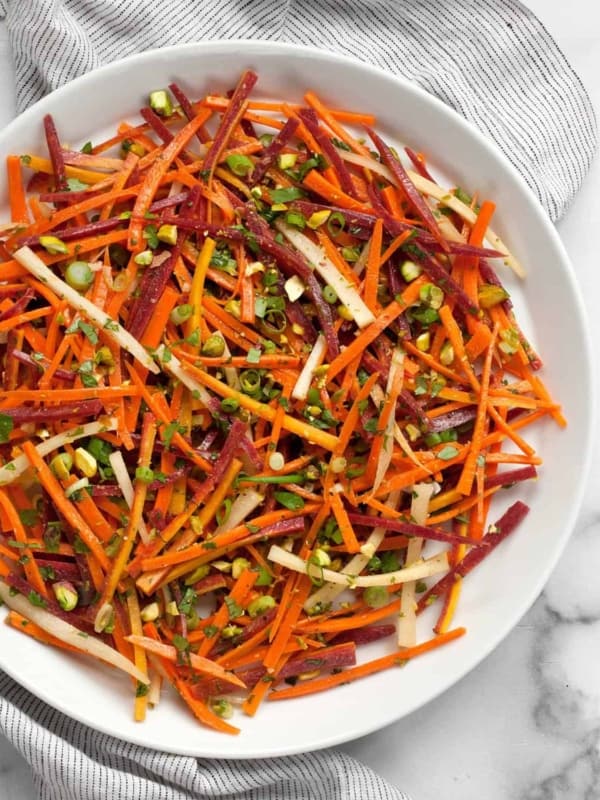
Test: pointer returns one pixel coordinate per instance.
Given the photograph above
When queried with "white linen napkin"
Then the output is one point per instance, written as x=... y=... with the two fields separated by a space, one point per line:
x=495 y=64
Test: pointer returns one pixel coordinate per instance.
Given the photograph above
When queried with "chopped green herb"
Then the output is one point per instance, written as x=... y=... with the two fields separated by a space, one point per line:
x=6 y=426
x=286 y=195
x=76 y=185
x=289 y=500
x=28 y=516
x=233 y=608
x=36 y=599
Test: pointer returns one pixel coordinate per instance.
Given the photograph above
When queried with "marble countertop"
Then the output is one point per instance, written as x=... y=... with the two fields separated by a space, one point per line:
x=530 y=713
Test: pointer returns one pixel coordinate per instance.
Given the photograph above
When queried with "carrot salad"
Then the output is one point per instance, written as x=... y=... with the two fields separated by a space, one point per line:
x=260 y=384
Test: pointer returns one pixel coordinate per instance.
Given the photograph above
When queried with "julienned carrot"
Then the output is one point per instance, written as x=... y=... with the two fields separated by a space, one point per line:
x=468 y=473
x=21 y=623
x=16 y=194
x=329 y=116
x=156 y=172
x=139 y=498
x=197 y=707
x=196 y=662
x=348 y=623
x=353 y=415
x=66 y=508
x=236 y=447
x=396 y=659
x=91 y=513
x=299 y=594
x=153 y=402
x=373 y=264
x=232 y=607
x=223 y=539
x=292 y=424
x=369 y=334
x=319 y=185
x=70 y=395
x=344 y=524
x=30 y=566
x=27 y=316
x=476 y=237
x=197 y=289
x=140 y=703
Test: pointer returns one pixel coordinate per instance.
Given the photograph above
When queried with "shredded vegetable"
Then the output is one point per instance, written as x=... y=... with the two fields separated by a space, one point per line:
x=261 y=381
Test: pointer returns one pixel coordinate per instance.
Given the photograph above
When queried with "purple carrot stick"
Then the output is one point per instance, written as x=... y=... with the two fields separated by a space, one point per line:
x=408 y=188
x=370 y=633
x=501 y=530
x=18 y=306
x=272 y=151
x=55 y=152
x=25 y=358
x=412 y=529
x=69 y=411
x=310 y=119
x=511 y=476
x=229 y=119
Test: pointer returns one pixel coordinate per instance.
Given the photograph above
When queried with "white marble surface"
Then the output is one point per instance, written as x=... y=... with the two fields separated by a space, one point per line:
x=530 y=713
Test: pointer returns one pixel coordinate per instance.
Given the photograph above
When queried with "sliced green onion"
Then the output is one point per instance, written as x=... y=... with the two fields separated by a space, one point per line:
x=432 y=295
x=76 y=487
x=239 y=164
x=376 y=596
x=336 y=223
x=329 y=294
x=79 y=276
x=296 y=219
x=229 y=405
x=214 y=346
x=410 y=271
x=144 y=474
x=261 y=604
x=250 y=381
x=275 y=320
x=181 y=314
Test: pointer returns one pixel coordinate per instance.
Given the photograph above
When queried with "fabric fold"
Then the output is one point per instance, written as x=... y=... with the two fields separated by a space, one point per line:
x=70 y=761
x=493 y=62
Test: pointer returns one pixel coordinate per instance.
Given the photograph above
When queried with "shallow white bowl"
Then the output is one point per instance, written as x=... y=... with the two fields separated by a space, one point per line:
x=499 y=592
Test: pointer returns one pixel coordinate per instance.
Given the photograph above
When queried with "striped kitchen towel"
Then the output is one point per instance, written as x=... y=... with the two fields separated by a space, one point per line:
x=494 y=63
x=491 y=61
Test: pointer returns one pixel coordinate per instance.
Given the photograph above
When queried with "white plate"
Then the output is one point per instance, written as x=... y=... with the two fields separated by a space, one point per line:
x=498 y=593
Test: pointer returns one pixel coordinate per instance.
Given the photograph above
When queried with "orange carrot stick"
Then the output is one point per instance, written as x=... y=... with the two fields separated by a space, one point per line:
x=66 y=508
x=16 y=193
x=371 y=667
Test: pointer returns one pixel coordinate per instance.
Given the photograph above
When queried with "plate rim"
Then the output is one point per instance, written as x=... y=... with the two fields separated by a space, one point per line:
x=254 y=48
